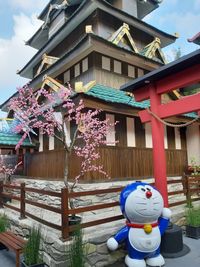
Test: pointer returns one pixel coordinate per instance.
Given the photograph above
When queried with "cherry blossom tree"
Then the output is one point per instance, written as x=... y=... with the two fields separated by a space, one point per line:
x=8 y=170
x=47 y=111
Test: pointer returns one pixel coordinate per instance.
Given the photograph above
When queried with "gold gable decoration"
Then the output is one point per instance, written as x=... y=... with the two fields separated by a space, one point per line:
x=119 y=36
x=46 y=60
x=52 y=83
x=151 y=49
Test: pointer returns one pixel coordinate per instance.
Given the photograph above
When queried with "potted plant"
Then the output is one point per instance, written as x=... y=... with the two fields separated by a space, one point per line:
x=194 y=168
x=32 y=249
x=4 y=224
x=193 y=222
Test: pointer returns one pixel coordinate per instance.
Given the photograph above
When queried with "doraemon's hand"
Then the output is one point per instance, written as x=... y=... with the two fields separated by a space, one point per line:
x=166 y=213
x=112 y=244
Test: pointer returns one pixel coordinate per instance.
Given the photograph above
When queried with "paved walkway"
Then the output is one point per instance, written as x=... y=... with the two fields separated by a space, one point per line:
x=191 y=259
x=7 y=258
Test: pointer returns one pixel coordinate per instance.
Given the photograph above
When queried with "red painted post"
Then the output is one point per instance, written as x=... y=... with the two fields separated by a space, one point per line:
x=159 y=158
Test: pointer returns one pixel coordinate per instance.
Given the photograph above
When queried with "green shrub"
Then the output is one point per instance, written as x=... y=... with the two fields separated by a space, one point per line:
x=193 y=216
x=4 y=223
x=77 y=250
x=31 y=250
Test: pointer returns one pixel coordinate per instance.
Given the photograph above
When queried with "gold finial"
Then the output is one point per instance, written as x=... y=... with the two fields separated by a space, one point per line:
x=176 y=34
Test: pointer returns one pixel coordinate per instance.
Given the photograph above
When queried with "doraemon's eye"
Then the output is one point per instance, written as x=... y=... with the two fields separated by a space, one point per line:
x=148 y=189
x=143 y=189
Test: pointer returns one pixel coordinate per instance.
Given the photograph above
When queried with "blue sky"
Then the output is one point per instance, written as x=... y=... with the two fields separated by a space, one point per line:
x=18 y=21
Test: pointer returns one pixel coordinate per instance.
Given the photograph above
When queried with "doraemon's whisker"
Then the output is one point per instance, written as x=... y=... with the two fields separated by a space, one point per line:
x=155 y=209
x=154 y=197
x=141 y=203
x=156 y=203
x=141 y=197
x=142 y=209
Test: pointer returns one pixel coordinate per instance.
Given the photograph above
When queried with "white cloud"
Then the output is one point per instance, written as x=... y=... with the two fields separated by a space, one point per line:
x=197 y=5
x=14 y=54
x=28 y=5
x=188 y=24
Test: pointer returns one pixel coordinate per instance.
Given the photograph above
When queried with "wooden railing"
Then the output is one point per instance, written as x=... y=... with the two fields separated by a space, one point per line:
x=191 y=185
x=19 y=193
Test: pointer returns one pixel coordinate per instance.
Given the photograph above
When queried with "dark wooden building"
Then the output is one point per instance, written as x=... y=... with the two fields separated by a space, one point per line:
x=97 y=46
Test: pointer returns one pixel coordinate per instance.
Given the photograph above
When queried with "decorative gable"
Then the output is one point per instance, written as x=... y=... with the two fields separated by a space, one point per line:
x=123 y=36
x=46 y=62
x=153 y=51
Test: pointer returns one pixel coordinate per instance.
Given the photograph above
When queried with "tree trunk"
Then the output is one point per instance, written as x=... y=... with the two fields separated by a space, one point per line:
x=66 y=168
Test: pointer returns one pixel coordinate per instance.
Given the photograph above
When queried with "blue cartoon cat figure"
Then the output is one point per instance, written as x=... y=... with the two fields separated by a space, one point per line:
x=146 y=220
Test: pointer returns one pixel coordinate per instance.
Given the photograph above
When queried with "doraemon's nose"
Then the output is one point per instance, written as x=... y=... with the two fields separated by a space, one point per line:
x=148 y=194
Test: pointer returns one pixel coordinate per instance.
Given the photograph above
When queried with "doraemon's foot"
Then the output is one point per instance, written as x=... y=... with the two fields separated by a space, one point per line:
x=156 y=261
x=134 y=263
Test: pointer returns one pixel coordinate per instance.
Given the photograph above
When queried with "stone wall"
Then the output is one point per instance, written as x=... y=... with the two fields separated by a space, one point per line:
x=53 y=250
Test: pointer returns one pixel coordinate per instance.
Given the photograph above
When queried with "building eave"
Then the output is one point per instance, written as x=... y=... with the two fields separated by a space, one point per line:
x=89 y=43
x=42 y=15
x=195 y=39
x=84 y=10
x=155 y=75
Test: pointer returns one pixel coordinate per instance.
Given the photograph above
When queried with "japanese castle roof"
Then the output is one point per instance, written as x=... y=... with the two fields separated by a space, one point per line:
x=113 y=95
x=86 y=8
x=116 y=96
x=143 y=8
x=9 y=138
x=85 y=42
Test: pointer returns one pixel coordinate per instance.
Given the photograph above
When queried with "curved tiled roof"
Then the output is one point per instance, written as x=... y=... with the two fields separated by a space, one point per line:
x=112 y=95
x=9 y=139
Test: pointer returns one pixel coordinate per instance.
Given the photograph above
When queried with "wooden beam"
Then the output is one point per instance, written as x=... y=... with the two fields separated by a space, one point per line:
x=142 y=93
x=90 y=102
x=183 y=78
x=174 y=108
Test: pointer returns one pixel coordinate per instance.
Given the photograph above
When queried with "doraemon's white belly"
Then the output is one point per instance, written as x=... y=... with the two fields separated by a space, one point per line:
x=145 y=242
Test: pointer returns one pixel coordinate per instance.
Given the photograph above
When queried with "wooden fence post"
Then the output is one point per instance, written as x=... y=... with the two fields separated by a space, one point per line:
x=64 y=213
x=22 y=201
x=1 y=192
x=188 y=193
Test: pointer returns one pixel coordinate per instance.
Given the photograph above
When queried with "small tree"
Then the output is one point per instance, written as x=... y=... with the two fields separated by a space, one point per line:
x=37 y=111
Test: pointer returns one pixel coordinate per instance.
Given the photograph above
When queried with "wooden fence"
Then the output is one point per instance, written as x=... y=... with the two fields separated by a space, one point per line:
x=190 y=190
x=118 y=162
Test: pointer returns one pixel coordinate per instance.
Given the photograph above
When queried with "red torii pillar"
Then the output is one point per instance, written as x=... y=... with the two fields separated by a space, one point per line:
x=153 y=91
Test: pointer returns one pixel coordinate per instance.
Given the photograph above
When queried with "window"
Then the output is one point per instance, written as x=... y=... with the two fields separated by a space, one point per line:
x=148 y=135
x=131 y=71
x=117 y=66
x=77 y=70
x=40 y=141
x=67 y=76
x=140 y=72
x=85 y=65
x=177 y=138
x=106 y=63
x=130 y=122
x=110 y=138
x=51 y=142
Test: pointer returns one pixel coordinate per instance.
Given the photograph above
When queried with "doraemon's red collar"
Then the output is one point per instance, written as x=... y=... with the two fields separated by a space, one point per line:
x=146 y=227
x=135 y=225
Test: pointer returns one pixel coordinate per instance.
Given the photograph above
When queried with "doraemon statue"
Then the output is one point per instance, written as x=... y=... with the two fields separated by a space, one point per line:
x=146 y=221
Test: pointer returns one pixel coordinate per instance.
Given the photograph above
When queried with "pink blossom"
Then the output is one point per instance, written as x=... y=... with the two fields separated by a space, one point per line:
x=36 y=111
